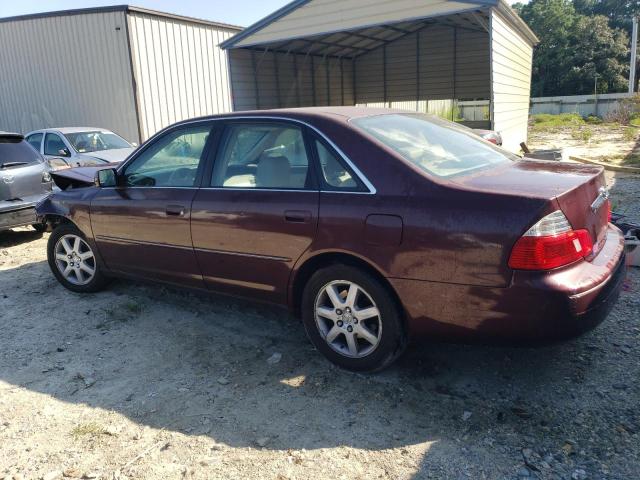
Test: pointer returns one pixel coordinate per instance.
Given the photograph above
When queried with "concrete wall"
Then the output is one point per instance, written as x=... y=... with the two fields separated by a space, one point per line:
x=72 y=70
x=585 y=105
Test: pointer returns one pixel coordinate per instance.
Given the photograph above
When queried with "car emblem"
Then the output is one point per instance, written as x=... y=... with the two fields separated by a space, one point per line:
x=603 y=196
x=8 y=179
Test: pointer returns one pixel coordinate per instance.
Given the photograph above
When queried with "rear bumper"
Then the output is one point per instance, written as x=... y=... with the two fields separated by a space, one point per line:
x=536 y=307
x=19 y=213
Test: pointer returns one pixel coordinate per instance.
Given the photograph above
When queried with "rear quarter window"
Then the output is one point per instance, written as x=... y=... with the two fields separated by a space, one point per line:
x=16 y=153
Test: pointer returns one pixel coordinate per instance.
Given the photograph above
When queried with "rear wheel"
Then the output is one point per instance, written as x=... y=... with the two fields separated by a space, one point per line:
x=73 y=261
x=352 y=319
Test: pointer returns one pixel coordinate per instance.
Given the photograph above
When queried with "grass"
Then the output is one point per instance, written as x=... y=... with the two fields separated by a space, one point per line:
x=632 y=160
x=630 y=134
x=543 y=121
x=88 y=429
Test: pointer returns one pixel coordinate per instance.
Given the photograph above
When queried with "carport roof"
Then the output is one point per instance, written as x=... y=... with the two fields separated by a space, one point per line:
x=371 y=33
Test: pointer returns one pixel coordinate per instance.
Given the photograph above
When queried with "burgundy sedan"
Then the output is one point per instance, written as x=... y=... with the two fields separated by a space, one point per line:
x=373 y=226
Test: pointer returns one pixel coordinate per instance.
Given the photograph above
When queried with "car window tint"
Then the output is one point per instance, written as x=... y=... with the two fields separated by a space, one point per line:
x=53 y=144
x=171 y=161
x=262 y=156
x=437 y=146
x=35 y=141
x=334 y=171
x=15 y=152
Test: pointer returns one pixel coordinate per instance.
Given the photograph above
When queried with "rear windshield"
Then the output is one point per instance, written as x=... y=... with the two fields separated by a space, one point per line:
x=15 y=152
x=87 y=142
x=438 y=147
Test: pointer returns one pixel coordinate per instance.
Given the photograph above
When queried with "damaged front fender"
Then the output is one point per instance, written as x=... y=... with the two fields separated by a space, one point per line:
x=71 y=205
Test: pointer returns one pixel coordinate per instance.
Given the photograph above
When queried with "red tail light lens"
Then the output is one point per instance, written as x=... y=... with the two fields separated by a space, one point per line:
x=551 y=243
x=608 y=211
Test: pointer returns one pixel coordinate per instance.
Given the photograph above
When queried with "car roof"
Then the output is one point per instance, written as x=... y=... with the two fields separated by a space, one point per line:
x=11 y=135
x=64 y=130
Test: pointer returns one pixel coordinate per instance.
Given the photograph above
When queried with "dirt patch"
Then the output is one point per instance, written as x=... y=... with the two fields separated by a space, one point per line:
x=144 y=381
x=609 y=143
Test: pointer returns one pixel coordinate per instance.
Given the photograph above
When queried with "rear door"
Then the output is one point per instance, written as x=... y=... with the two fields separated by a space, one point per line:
x=258 y=209
x=142 y=226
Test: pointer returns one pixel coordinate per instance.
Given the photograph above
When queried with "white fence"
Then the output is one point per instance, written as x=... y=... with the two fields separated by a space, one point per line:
x=585 y=105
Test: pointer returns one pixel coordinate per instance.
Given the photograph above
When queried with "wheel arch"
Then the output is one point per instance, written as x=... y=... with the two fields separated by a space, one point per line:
x=309 y=266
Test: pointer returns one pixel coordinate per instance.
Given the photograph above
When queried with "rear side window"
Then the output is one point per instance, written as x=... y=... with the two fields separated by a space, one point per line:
x=15 y=152
x=438 y=147
x=262 y=156
x=35 y=141
x=336 y=175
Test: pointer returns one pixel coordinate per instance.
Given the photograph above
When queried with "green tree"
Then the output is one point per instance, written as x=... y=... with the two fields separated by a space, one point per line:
x=573 y=49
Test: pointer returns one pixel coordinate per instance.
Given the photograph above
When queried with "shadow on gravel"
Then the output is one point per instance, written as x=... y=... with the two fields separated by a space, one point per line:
x=245 y=375
x=12 y=238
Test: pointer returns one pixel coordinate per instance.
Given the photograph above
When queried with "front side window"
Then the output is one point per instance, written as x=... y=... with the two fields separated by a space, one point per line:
x=171 y=161
x=262 y=156
x=35 y=141
x=438 y=147
x=53 y=145
x=87 y=142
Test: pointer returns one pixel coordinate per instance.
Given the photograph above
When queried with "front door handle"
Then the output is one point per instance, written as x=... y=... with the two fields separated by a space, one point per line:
x=297 y=216
x=175 y=210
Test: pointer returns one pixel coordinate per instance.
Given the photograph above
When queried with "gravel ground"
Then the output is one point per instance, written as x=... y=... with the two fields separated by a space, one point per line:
x=143 y=381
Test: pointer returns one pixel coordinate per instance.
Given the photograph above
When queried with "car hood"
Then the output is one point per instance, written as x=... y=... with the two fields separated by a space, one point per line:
x=110 y=156
x=77 y=177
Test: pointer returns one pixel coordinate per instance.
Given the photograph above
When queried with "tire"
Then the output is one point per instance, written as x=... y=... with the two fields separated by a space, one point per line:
x=377 y=340
x=67 y=241
x=40 y=227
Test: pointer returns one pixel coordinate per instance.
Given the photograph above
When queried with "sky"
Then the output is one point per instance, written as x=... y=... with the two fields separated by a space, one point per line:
x=235 y=12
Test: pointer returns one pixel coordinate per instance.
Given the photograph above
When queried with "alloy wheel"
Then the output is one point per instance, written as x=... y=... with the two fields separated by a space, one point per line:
x=348 y=319
x=75 y=259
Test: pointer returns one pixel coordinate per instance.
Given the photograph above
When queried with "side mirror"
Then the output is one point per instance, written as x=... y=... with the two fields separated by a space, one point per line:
x=63 y=152
x=106 y=178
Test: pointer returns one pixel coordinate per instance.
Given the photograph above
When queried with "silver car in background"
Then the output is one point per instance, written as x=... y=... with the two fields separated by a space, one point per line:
x=24 y=181
x=79 y=146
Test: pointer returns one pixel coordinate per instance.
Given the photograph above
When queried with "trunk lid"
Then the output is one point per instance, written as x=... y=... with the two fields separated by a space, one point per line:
x=21 y=170
x=574 y=186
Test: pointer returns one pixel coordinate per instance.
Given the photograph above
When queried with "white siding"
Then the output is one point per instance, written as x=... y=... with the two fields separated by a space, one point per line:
x=324 y=16
x=511 y=60
x=67 y=71
x=436 y=63
x=263 y=80
x=180 y=70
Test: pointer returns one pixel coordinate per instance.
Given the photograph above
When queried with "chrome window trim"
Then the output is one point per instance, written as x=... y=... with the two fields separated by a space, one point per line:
x=361 y=176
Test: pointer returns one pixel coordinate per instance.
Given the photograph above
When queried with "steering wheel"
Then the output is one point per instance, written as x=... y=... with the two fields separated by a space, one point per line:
x=182 y=177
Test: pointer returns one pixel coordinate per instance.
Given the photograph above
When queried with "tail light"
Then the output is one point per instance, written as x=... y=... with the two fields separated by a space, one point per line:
x=550 y=243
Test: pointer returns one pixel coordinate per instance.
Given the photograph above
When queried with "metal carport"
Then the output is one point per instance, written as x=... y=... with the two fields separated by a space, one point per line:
x=470 y=60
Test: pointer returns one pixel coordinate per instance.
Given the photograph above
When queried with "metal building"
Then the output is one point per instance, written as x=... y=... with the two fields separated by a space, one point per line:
x=417 y=54
x=131 y=70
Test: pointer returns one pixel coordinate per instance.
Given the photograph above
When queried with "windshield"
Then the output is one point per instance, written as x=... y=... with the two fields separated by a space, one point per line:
x=87 y=142
x=438 y=147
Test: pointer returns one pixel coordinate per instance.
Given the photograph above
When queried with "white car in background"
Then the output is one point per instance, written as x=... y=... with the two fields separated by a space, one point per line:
x=79 y=146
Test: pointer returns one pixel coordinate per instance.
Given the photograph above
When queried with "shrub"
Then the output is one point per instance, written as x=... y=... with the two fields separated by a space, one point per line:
x=626 y=109
x=630 y=134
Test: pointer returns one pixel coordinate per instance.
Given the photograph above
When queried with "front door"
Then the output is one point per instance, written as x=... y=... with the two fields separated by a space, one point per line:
x=142 y=227
x=259 y=212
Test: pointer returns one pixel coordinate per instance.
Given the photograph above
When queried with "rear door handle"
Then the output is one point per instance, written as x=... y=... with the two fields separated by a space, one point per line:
x=297 y=216
x=175 y=210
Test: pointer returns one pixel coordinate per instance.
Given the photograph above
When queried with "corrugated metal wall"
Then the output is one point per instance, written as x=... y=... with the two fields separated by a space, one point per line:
x=180 y=70
x=436 y=63
x=511 y=61
x=67 y=71
x=321 y=16
x=263 y=80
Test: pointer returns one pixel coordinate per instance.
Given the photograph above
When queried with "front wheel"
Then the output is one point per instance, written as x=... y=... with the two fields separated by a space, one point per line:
x=73 y=261
x=352 y=318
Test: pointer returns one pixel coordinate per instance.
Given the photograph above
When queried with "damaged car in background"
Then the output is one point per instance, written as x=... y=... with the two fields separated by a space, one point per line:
x=24 y=181
x=79 y=146
x=373 y=226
